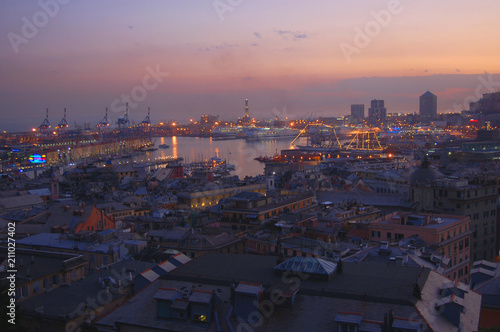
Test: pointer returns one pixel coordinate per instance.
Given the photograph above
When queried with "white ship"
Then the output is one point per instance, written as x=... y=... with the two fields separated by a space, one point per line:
x=222 y=133
x=257 y=134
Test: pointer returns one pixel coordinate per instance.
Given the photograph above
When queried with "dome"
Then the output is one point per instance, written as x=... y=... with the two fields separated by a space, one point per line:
x=424 y=174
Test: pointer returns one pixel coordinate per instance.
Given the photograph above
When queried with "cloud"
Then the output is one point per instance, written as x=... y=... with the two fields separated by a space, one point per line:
x=220 y=47
x=258 y=35
x=291 y=35
x=248 y=78
x=254 y=44
x=458 y=70
x=426 y=70
x=130 y=27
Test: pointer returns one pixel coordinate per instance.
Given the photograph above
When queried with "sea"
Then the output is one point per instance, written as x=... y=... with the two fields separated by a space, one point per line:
x=237 y=152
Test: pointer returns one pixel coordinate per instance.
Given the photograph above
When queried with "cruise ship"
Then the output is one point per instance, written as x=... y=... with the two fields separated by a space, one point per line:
x=222 y=133
x=257 y=134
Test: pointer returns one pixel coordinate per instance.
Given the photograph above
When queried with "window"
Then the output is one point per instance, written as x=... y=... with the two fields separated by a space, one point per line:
x=36 y=286
x=22 y=291
x=55 y=279
x=343 y=327
x=388 y=235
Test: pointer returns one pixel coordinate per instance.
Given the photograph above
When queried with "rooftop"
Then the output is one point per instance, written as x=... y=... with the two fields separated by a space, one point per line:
x=393 y=284
x=50 y=305
x=35 y=264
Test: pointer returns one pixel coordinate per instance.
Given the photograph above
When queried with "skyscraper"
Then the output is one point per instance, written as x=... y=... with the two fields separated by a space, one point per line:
x=377 y=111
x=357 y=112
x=246 y=108
x=428 y=105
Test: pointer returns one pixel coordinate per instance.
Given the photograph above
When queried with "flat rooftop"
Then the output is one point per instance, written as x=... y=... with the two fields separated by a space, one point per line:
x=367 y=281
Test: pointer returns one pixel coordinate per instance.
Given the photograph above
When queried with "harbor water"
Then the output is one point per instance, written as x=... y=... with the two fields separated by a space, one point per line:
x=237 y=152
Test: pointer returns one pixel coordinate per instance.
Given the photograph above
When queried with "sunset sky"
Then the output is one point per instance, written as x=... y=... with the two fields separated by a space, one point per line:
x=285 y=56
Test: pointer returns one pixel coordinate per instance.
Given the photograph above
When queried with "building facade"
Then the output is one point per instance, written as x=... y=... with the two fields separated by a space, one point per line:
x=476 y=199
x=428 y=105
x=357 y=113
x=449 y=235
x=377 y=112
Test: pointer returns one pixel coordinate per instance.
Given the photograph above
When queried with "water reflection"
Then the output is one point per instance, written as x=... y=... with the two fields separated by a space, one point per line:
x=237 y=152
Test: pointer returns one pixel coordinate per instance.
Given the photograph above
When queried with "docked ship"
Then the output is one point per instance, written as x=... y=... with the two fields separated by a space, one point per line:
x=257 y=134
x=223 y=133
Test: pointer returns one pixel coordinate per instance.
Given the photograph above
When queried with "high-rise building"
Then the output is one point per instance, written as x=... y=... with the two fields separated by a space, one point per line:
x=357 y=113
x=246 y=109
x=377 y=111
x=428 y=105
